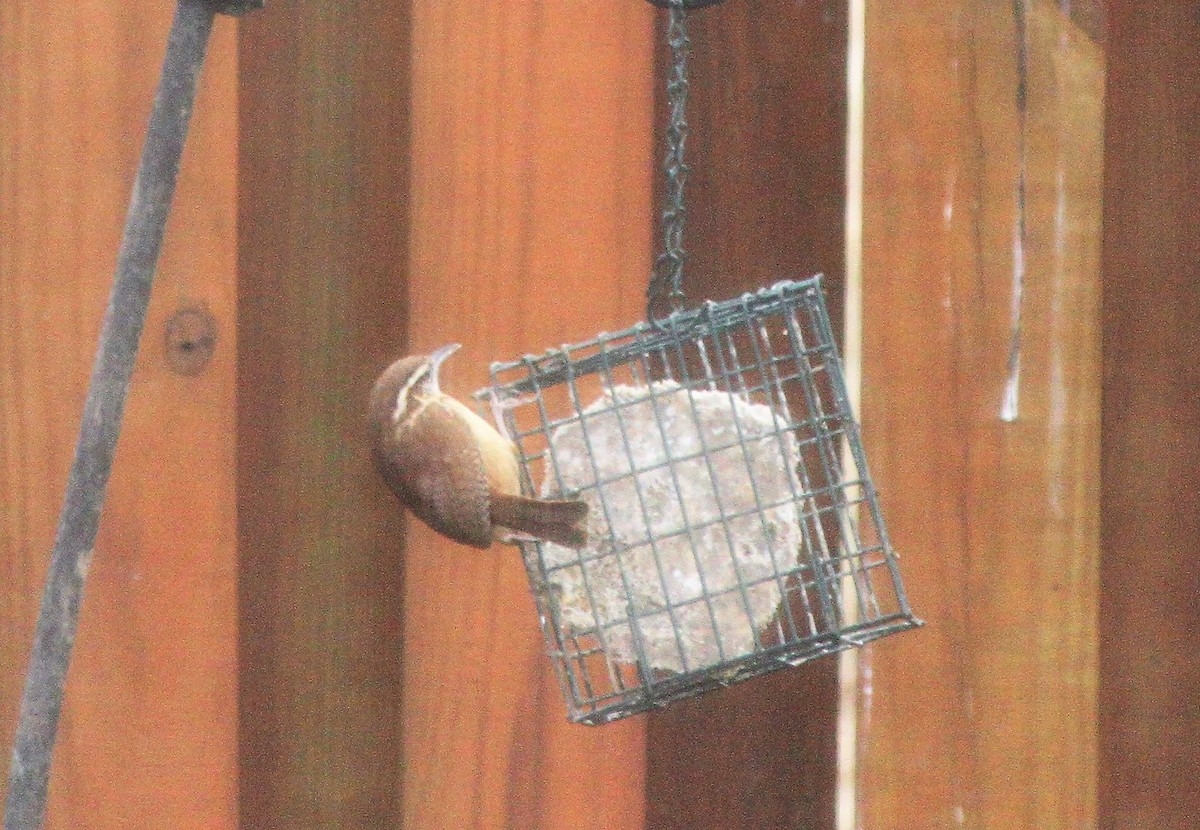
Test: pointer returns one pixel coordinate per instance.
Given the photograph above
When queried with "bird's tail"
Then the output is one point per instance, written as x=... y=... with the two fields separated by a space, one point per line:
x=560 y=522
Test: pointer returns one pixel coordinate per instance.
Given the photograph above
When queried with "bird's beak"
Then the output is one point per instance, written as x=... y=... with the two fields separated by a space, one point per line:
x=435 y=362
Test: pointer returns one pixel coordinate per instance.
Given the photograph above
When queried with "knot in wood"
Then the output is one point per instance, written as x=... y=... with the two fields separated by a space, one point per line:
x=190 y=337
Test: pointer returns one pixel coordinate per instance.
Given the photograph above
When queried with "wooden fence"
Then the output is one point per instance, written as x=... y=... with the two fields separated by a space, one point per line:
x=1002 y=197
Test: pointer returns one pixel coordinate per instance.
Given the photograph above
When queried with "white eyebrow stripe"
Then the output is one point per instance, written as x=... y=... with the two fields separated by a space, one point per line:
x=402 y=395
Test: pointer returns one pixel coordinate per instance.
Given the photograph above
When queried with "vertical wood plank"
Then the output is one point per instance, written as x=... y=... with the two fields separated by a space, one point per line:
x=982 y=194
x=324 y=160
x=149 y=727
x=530 y=228
x=1149 y=669
x=765 y=202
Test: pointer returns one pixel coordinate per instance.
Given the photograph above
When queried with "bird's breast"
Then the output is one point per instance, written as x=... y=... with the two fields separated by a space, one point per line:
x=496 y=452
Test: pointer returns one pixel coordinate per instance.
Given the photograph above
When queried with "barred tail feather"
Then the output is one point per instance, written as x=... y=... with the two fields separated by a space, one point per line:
x=560 y=522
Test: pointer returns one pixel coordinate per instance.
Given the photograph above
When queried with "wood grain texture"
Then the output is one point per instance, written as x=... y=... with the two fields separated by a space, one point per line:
x=986 y=718
x=324 y=160
x=1149 y=665
x=149 y=726
x=531 y=226
x=766 y=202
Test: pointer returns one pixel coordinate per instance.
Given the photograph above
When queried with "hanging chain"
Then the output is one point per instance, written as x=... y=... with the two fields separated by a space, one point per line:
x=667 y=280
x=687 y=4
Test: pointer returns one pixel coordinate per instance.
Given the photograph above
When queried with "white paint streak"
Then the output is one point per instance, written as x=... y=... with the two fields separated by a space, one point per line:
x=1010 y=407
x=948 y=203
x=1057 y=416
x=84 y=563
x=851 y=661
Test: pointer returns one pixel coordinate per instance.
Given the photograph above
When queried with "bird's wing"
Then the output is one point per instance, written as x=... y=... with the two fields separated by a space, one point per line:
x=451 y=494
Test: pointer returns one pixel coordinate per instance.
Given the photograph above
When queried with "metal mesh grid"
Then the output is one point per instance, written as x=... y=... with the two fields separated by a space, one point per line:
x=747 y=538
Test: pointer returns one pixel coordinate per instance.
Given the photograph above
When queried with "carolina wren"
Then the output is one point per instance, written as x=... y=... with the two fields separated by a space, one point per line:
x=452 y=468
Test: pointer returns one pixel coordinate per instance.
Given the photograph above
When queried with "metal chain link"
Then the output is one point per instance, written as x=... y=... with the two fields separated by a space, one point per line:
x=666 y=282
x=687 y=4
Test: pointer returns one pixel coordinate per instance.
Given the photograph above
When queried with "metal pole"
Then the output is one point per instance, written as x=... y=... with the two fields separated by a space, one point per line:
x=41 y=701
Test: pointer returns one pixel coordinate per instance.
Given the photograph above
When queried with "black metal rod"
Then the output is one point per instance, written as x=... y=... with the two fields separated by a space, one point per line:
x=150 y=202
x=685 y=4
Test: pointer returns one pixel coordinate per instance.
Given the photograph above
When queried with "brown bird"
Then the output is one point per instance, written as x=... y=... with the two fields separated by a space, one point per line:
x=452 y=468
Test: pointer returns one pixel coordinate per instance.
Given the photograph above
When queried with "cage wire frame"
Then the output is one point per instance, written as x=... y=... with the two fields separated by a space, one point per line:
x=841 y=589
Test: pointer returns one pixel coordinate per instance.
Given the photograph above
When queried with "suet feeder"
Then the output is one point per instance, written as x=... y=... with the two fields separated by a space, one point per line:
x=733 y=526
